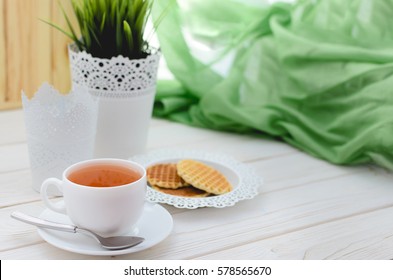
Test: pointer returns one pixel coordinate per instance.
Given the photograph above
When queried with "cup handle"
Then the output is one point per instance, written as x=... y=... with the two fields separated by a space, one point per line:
x=44 y=195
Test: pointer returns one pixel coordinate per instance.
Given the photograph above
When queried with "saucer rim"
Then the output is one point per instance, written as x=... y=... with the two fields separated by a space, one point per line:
x=99 y=251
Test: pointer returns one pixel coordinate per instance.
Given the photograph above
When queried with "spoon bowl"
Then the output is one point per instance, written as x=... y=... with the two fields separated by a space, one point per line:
x=110 y=243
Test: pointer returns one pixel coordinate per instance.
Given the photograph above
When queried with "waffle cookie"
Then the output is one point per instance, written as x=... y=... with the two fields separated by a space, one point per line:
x=184 y=191
x=203 y=177
x=164 y=175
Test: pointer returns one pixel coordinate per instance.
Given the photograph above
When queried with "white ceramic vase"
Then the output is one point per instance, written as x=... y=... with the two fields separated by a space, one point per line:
x=125 y=89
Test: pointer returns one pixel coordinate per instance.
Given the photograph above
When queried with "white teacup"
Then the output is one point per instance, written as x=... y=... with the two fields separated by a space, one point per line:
x=106 y=210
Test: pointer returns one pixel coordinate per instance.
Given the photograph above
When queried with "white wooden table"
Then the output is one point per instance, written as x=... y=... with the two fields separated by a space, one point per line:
x=307 y=208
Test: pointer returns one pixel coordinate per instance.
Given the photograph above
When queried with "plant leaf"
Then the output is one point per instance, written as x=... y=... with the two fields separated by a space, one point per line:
x=109 y=27
x=70 y=26
x=139 y=23
x=103 y=22
x=119 y=35
x=128 y=35
x=163 y=14
x=95 y=37
x=71 y=36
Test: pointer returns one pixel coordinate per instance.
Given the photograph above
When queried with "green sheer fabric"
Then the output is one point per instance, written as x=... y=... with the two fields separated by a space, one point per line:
x=317 y=74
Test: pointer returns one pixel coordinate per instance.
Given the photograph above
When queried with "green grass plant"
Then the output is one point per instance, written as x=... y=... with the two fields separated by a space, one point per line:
x=110 y=28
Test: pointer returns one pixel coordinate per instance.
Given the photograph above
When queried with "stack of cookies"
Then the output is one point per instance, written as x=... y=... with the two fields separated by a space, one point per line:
x=187 y=178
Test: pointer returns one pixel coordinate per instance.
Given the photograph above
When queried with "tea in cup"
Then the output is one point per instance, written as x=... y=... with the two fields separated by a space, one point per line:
x=106 y=196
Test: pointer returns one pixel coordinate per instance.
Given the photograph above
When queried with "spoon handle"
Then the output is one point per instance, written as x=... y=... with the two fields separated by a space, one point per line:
x=42 y=223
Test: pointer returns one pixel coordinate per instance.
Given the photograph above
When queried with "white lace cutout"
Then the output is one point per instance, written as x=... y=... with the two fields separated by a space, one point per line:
x=60 y=130
x=118 y=77
x=244 y=179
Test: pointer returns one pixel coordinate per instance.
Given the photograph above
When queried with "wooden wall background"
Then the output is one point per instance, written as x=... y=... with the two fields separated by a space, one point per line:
x=31 y=52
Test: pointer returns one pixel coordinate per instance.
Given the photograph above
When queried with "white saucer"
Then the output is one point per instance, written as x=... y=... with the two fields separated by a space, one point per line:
x=154 y=225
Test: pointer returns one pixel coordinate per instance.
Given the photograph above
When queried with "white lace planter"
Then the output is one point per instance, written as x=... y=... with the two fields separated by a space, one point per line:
x=125 y=89
x=60 y=131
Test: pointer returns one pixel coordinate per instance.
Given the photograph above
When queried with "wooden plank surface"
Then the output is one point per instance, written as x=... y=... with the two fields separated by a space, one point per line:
x=3 y=73
x=240 y=232
x=61 y=75
x=306 y=209
x=27 y=46
x=31 y=52
x=354 y=238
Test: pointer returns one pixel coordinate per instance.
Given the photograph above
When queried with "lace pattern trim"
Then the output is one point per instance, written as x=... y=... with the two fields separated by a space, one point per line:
x=118 y=77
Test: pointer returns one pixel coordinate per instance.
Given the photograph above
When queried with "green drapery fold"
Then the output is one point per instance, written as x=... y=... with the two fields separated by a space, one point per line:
x=317 y=74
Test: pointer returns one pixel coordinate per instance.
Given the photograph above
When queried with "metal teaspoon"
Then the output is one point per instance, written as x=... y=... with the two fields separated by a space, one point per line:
x=110 y=243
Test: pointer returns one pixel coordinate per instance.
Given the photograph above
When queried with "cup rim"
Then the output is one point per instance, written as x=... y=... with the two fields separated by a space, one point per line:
x=104 y=160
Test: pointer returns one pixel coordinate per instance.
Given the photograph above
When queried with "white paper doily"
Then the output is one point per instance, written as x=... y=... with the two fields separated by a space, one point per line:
x=243 y=178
